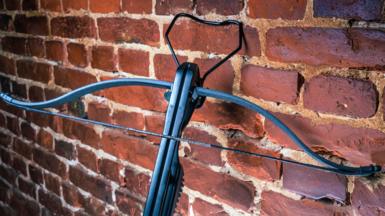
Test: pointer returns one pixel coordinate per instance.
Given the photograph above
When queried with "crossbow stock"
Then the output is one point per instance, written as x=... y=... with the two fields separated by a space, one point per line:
x=184 y=95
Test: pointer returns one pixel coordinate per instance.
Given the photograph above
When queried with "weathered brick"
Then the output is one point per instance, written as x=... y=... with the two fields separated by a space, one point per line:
x=139 y=152
x=29 y=69
x=128 y=119
x=206 y=155
x=45 y=139
x=201 y=207
x=105 y=6
x=291 y=10
x=276 y=204
x=87 y=158
x=93 y=206
x=361 y=146
x=52 y=183
x=144 y=97
x=83 y=132
x=154 y=123
x=77 y=54
x=166 y=7
x=340 y=47
x=19 y=165
x=164 y=66
x=346 y=9
x=5 y=83
x=36 y=93
x=53 y=203
x=14 y=44
x=133 y=6
x=19 y=90
x=71 y=194
x=50 y=162
x=136 y=182
x=114 y=29
x=27 y=187
x=99 y=111
x=95 y=185
x=24 y=206
x=224 y=188
x=29 y=5
x=35 y=47
x=28 y=131
x=51 y=5
x=6 y=23
x=69 y=5
x=35 y=25
x=341 y=96
x=65 y=149
x=13 y=4
x=55 y=50
x=260 y=168
x=230 y=116
x=71 y=78
x=221 y=79
x=110 y=169
x=368 y=200
x=104 y=58
x=227 y=7
x=314 y=184
x=134 y=61
x=7 y=65
x=23 y=148
x=73 y=27
x=36 y=174
x=13 y=125
x=270 y=84
x=128 y=204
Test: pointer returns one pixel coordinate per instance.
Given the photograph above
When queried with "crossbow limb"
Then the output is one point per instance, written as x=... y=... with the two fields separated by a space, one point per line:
x=185 y=95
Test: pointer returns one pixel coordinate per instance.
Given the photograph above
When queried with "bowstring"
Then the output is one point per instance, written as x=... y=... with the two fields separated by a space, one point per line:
x=179 y=139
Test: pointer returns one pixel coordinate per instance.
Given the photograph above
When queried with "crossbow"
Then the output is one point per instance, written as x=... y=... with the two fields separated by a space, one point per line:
x=185 y=94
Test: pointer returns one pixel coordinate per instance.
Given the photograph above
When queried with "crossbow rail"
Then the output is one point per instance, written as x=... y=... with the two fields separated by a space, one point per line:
x=185 y=95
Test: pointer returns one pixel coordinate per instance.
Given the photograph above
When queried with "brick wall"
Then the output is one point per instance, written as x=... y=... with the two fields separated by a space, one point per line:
x=317 y=64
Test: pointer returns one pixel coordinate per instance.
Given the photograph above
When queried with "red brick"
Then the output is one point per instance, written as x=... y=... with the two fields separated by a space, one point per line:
x=230 y=116
x=53 y=203
x=260 y=168
x=13 y=125
x=71 y=78
x=100 y=6
x=291 y=10
x=7 y=65
x=276 y=204
x=143 y=97
x=19 y=90
x=228 y=7
x=23 y=148
x=83 y=132
x=222 y=187
x=19 y=165
x=36 y=174
x=99 y=111
x=36 y=93
x=93 y=206
x=75 y=5
x=50 y=162
x=29 y=69
x=45 y=139
x=13 y=4
x=221 y=79
x=134 y=61
x=73 y=27
x=110 y=169
x=24 y=206
x=5 y=156
x=114 y=29
x=27 y=187
x=361 y=146
x=14 y=45
x=95 y=185
x=30 y=5
x=8 y=174
x=139 y=152
x=166 y=7
x=154 y=123
x=341 y=96
x=51 y=5
x=35 y=25
x=206 y=155
x=55 y=50
x=128 y=119
x=314 y=184
x=270 y=84
x=71 y=195
x=127 y=204
x=133 y=6
x=165 y=68
x=52 y=183
x=368 y=200
x=77 y=54
x=87 y=158
x=28 y=131
x=104 y=58
x=357 y=10
x=340 y=47
x=35 y=47
x=65 y=149
x=6 y=23
x=201 y=207
x=135 y=182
